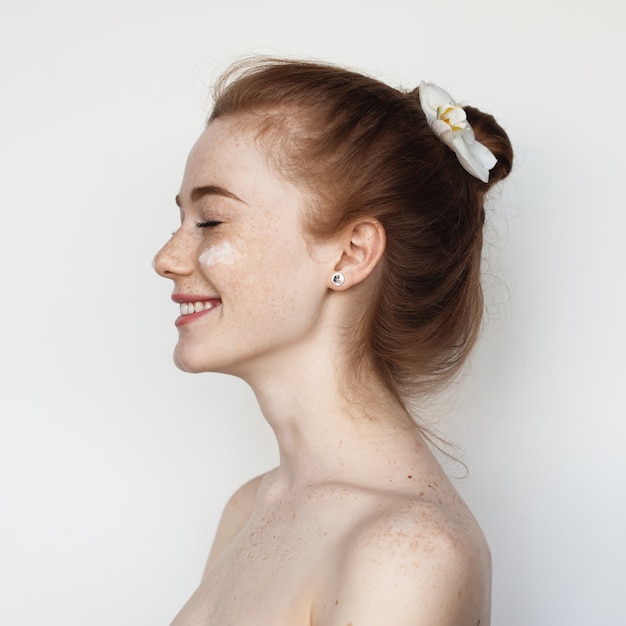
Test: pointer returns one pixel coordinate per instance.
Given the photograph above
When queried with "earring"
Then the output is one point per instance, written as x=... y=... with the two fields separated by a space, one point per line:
x=337 y=279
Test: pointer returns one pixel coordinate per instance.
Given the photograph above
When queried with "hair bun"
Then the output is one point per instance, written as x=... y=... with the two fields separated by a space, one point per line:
x=364 y=149
x=494 y=137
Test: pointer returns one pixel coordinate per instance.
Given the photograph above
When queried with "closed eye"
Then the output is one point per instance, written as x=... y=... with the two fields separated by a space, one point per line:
x=208 y=224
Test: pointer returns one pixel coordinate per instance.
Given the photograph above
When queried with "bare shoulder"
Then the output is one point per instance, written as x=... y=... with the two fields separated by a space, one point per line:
x=415 y=563
x=236 y=513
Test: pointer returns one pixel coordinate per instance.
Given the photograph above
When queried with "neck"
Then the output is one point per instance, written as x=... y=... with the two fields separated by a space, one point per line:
x=329 y=428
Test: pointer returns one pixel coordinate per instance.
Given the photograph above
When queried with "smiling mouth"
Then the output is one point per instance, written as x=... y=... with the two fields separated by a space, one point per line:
x=187 y=308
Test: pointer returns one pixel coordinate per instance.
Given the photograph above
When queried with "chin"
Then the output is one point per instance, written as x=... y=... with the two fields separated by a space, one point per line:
x=193 y=363
x=186 y=362
x=184 y=367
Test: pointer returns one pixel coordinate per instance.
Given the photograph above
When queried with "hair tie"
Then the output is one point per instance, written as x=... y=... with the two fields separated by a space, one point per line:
x=449 y=122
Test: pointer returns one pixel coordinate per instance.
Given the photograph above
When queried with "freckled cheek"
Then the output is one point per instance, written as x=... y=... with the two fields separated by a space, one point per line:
x=259 y=284
x=220 y=253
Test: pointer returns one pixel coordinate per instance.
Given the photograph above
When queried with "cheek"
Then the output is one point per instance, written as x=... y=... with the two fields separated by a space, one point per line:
x=266 y=282
x=219 y=254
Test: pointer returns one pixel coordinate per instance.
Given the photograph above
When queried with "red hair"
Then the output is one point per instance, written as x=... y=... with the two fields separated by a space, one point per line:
x=365 y=149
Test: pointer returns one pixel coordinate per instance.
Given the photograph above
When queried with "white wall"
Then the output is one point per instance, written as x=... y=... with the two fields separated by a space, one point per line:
x=114 y=466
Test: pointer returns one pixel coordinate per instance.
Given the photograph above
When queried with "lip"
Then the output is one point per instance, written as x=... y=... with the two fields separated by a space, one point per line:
x=184 y=298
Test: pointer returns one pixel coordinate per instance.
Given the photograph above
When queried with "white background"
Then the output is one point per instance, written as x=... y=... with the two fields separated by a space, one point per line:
x=114 y=466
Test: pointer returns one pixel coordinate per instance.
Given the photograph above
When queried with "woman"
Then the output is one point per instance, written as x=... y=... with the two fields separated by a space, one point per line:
x=329 y=255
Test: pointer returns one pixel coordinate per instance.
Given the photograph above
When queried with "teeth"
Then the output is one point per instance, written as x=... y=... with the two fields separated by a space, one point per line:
x=187 y=308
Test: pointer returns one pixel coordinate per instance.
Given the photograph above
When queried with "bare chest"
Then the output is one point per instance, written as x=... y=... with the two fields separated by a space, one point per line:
x=268 y=576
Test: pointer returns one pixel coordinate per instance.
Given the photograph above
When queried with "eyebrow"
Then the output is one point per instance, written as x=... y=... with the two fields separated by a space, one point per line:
x=209 y=190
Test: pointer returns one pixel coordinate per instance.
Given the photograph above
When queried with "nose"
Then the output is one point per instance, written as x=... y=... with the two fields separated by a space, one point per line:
x=174 y=258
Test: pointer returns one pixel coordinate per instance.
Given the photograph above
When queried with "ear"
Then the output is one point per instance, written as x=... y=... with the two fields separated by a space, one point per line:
x=362 y=245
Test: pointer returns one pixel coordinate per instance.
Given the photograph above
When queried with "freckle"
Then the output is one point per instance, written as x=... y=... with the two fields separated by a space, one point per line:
x=336 y=602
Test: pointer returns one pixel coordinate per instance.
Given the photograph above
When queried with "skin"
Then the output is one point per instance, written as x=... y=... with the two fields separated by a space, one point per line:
x=358 y=525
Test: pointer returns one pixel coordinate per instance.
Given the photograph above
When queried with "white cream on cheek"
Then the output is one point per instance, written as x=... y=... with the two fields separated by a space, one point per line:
x=221 y=253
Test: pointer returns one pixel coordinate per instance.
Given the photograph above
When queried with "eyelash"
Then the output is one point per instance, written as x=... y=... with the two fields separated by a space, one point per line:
x=208 y=224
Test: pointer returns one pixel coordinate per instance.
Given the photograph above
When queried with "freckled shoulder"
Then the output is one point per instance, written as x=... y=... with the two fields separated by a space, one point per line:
x=236 y=513
x=416 y=564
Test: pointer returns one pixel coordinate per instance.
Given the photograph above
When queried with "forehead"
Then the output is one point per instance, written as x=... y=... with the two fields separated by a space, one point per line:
x=228 y=155
x=223 y=146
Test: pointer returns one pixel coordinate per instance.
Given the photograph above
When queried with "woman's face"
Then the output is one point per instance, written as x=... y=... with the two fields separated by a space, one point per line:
x=249 y=284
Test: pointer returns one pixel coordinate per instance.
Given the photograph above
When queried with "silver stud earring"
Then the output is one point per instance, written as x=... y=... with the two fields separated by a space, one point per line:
x=337 y=279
